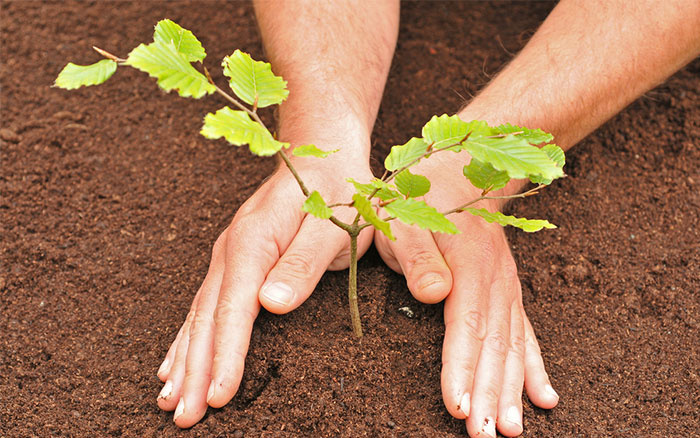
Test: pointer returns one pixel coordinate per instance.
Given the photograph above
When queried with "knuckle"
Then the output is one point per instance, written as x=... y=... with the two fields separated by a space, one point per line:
x=517 y=346
x=418 y=258
x=496 y=343
x=473 y=322
x=200 y=324
x=227 y=310
x=531 y=343
x=510 y=272
x=296 y=265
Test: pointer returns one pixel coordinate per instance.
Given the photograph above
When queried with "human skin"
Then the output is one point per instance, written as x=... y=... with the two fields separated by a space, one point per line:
x=588 y=60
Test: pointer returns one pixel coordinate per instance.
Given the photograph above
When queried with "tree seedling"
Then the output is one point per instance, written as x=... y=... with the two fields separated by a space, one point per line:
x=498 y=153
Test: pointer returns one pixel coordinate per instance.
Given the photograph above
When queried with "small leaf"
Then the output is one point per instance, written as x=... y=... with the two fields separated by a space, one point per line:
x=238 y=129
x=415 y=212
x=412 y=186
x=403 y=155
x=384 y=190
x=184 y=41
x=308 y=150
x=75 y=76
x=445 y=131
x=533 y=136
x=484 y=176
x=513 y=155
x=366 y=210
x=529 y=225
x=556 y=154
x=172 y=69
x=253 y=80
x=316 y=206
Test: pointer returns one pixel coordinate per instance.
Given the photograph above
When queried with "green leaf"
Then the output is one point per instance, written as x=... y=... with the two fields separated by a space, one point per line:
x=556 y=154
x=384 y=192
x=484 y=176
x=316 y=206
x=184 y=41
x=513 y=155
x=172 y=69
x=412 y=186
x=529 y=225
x=311 y=150
x=75 y=76
x=238 y=129
x=533 y=136
x=253 y=80
x=403 y=155
x=445 y=131
x=415 y=212
x=366 y=210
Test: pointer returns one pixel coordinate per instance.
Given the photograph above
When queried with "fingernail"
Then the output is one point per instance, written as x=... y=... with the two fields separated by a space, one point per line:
x=179 y=409
x=164 y=366
x=210 y=393
x=489 y=427
x=551 y=391
x=429 y=280
x=464 y=404
x=166 y=391
x=513 y=415
x=280 y=293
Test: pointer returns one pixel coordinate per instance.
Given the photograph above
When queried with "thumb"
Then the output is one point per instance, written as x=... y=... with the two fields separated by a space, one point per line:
x=298 y=270
x=417 y=256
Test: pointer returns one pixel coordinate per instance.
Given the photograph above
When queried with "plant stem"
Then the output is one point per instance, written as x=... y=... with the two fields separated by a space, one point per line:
x=461 y=208
x=352 y=287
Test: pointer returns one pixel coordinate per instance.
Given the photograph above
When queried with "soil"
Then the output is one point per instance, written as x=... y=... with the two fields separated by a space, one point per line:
x=110 y=201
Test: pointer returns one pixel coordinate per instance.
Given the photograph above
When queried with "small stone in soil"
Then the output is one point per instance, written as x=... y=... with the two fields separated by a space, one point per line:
x=238 y=433
x=391 y=424
x=9 y=135
x=407 y=311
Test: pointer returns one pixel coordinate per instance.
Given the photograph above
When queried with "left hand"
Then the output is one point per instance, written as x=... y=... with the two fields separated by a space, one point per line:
x=490 y=349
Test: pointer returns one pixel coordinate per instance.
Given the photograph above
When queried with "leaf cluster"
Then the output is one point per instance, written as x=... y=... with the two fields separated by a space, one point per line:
x=498 y=154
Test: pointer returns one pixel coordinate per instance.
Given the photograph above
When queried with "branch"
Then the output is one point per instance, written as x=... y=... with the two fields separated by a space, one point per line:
x=106 y=54
x=461 y=208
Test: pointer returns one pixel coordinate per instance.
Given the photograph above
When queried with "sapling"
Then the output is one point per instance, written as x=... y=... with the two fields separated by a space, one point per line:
x=498 y=154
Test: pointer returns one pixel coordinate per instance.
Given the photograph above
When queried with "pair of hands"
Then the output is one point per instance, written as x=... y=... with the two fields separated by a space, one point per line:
x=273 y=254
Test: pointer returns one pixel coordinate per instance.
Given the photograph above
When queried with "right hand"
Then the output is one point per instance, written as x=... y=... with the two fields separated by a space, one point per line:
x=272 y=254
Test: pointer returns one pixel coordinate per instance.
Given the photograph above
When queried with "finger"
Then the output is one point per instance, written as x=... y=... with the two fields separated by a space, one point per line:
x=170 y=393
x=193 y=381
x=465 y=329
x=537 y=384
x=165 y=366
x=236 y=310
x=298 y=270
x=510 y=408
x=428 y=277
x=490 y=369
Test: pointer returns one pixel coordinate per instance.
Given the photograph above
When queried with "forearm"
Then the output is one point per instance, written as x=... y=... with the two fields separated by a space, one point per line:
x=335 y=57
x=588 y=60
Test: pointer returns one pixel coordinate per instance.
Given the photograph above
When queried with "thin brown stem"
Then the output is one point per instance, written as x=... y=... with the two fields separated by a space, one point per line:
x=352 y=287
x=461 y=208
x=106 y=54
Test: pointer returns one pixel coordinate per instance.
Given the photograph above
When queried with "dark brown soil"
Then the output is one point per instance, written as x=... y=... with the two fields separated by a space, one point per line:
x=110 y=201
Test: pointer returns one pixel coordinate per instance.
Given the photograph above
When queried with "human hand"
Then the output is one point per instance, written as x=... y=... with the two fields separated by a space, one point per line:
x=490 y=348
x=272 y=254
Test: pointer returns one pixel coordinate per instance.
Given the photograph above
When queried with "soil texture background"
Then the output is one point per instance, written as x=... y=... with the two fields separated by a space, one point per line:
x=110 y=201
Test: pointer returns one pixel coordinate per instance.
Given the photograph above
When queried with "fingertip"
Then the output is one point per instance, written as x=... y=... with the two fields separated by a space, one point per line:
x=277 y=297
x=186 y=415
x=548 y=398
x=219 y=394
